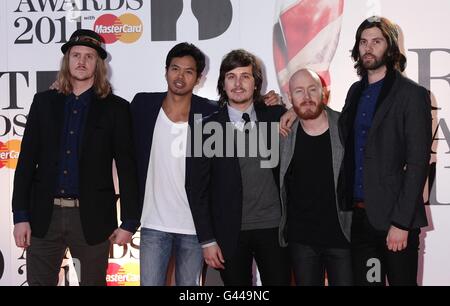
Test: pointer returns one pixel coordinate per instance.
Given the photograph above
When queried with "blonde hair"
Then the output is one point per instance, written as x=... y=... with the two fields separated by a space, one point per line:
x=102 y=87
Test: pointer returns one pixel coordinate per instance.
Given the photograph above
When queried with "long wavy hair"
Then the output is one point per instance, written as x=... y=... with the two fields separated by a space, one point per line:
x=102 y=87
x=235 y=59
x=393 y=57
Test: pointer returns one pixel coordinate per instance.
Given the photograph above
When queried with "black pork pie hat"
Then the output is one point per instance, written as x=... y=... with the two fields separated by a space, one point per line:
x=88 y=38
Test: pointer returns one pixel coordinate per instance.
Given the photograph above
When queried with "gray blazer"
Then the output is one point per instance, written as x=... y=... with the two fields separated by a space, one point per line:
x=287 y=147
x=397 y=153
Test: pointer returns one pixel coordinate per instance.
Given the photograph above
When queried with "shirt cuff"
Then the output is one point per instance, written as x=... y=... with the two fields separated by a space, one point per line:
x=21 y=216
x=130 y=225
x=208 y=244
x=400 y=226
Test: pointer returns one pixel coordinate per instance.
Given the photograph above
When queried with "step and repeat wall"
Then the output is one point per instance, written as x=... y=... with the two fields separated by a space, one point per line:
x=284 y=34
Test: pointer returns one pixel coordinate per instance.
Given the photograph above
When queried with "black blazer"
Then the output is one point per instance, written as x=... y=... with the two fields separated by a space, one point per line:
x=217 y=188
x=107 y=136
x=145 y=108
x=397 y=153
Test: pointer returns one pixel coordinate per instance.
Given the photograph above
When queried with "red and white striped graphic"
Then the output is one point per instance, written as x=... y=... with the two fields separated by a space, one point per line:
x=306 y=35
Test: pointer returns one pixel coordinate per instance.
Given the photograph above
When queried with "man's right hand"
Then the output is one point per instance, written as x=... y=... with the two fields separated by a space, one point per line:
x=213 y=257
x=286 y=121
x=22 y=234
x=55 y=85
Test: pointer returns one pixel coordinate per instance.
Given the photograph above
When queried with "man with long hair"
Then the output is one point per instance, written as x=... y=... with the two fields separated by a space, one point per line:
x=236 y=206
x=64 y=193
x=386 y=129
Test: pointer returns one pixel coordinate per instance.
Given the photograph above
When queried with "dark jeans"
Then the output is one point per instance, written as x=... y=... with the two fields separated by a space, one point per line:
x=372 y=261
x=311 y=262
x=271 y=259
x=45 y=255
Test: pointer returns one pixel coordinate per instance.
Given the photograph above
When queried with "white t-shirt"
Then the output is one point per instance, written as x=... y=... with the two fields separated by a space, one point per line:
x=166 y=207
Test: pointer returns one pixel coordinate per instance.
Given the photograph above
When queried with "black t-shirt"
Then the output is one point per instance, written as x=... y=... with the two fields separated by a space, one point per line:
x=312 y=214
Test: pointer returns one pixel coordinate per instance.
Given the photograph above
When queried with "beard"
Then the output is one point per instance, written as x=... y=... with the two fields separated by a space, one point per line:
x=374 y=64
x=309 y=114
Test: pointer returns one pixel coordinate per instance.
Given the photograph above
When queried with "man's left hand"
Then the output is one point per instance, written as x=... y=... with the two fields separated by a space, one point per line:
x=272 y=98
x=397 y=239
x=120 y=237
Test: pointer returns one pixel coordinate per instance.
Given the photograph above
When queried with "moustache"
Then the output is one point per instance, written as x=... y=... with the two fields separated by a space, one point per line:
x=368 y=55
x=306 y=103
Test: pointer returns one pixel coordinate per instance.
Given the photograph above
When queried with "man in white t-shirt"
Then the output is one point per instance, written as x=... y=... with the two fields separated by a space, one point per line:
x=161 y=124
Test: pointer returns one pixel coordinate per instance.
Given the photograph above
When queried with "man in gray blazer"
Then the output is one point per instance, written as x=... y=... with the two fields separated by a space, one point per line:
x=386 y=129
x=311 y=155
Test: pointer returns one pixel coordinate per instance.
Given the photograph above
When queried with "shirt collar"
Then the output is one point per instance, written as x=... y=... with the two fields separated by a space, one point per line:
x=236 y=115
x=85 y=97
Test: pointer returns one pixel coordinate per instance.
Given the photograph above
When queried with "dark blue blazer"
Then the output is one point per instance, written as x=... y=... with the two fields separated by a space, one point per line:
x=145 y=108
x=216 y=203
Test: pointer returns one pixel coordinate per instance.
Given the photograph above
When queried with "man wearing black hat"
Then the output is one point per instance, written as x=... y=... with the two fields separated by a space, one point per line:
x=64 y=193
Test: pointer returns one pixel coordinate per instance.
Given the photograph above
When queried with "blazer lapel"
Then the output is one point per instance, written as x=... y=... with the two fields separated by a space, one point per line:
x=92 y=117
x=58 y=117
x=147 y=121
x=152 y=113
x=261 y=113
x=195 y=109
x=287 y=151
x=385 y=101
x=348 y=113
x=354 y=98
x=224 y=119
x=190 y=144
x=264 y=116
x=337 y=150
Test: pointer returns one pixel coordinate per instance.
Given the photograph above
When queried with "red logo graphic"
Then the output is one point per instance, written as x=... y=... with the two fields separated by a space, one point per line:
x=123 y=275
x=127 y=28
x=306 y=35
x=9 y=153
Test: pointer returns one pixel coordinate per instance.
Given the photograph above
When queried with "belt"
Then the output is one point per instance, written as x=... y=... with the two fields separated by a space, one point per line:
x=66 y=202
x=360 y=205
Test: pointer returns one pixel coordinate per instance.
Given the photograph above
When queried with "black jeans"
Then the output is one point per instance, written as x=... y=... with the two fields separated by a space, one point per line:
x=271 y=259
x=45 y=255
x=372 y=261
x=311 y=262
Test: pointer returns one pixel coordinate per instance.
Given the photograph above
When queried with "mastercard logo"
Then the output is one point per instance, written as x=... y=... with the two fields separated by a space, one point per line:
x=9 y=153
x=127 y=28
x=123 y=275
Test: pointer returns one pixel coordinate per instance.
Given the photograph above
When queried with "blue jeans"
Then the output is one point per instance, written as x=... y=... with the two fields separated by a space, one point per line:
x=155 y=252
